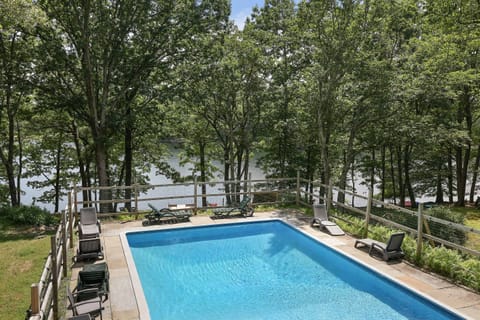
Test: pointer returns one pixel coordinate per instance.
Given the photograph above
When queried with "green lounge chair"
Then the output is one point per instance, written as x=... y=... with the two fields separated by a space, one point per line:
x=94 y=276
x=321 y=221
x=390 y=250
x=243 y=209
x=166 y=215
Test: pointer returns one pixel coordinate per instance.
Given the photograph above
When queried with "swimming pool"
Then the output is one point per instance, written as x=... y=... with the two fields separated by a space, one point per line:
x=263 y=270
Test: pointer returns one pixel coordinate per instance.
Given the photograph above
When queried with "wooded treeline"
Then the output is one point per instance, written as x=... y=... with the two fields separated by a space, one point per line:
x=92 y=91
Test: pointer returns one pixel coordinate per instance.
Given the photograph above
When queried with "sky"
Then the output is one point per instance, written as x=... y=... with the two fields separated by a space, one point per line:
x=241 y=9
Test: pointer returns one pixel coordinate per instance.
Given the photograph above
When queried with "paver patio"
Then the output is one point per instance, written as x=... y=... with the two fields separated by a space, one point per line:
x=122 y=303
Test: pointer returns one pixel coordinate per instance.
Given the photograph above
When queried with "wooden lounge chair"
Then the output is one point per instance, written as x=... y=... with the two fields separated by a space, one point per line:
x=92 y=307
x=243 y=209
x=89 y=249
x=166 y=215
x=94 y=276
x=390 y=250
x=321 y=221
x=89 y=225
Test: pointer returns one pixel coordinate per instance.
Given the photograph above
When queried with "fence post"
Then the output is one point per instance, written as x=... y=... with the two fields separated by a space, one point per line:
x=35 y=299
x=64 y=244
x=195 y=186
x=297 y=198
x=53 y=245
x=368 y=212
x=70 y=218
x=418 y=253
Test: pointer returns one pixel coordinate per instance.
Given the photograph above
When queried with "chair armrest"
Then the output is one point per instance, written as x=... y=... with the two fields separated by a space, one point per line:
x=83 y=291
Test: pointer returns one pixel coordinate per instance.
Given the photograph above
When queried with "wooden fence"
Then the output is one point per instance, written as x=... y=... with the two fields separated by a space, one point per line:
x=44 y=297
x=421 y=231
x=44 y=294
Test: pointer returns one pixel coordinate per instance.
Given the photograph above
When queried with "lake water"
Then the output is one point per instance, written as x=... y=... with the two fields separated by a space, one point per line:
x=173 y=161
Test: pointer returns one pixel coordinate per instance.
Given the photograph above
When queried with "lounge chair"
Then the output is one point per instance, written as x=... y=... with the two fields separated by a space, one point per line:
x=243 y=209
x=89 y=249
x=166 y=215
x=390 y=250
x=94 y=276
x=89 y=225
x=92 y=307
x=321 y=221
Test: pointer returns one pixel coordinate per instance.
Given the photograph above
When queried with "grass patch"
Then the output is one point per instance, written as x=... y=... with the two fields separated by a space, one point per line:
x=23 y=258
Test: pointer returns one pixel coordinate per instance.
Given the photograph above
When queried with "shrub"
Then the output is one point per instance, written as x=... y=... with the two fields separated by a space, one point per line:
x=27 y=215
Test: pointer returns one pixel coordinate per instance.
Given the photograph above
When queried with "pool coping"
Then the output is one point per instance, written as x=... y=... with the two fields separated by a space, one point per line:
x=141 y=300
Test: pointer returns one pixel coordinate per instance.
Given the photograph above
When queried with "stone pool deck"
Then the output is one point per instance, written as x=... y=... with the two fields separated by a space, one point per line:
x=122 y=303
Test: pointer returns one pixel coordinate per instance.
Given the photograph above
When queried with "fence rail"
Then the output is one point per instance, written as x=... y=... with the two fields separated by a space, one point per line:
x=44 y=294
x=420 y=229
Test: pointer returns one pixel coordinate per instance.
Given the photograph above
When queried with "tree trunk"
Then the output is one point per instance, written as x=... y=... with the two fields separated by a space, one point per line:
x=20 y=163
x=102 y=174
x=226 y=174
x=383 y=172
x=203 y=172
x=439 y=189
x=128 y=163
x=450 y=176
x=372 y=172
x=58 y=172
x=474 y=176
x=392 y=173
x=347 y=162
x=401 y=186
x=82 y=166
x=408 y=184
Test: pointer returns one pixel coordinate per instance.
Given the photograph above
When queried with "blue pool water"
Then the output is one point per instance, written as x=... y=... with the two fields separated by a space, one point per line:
x=263 y=270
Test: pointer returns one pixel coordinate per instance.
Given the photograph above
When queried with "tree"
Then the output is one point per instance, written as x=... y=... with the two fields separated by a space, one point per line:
x=17 y=44
x=118 y=45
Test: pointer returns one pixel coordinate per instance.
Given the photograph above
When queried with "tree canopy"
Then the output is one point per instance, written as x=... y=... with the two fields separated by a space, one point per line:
x=378 y=91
